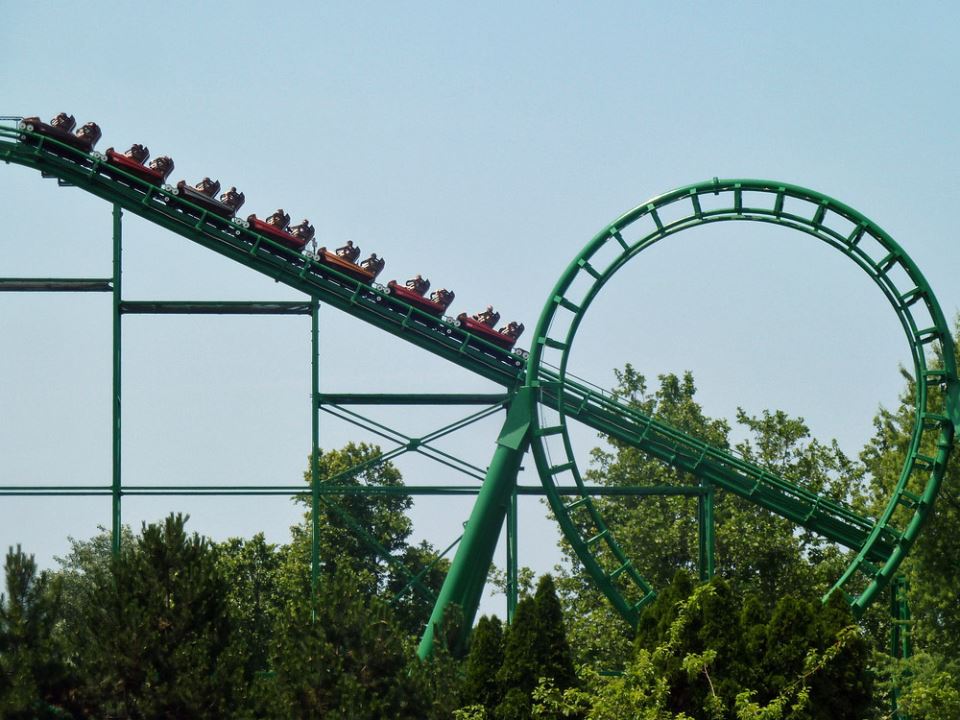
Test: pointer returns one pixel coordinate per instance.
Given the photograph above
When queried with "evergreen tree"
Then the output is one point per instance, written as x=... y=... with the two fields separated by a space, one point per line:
x=535 y=649
x=480 y=685
x=34 y=682
x=552 y=649
x=520 y=671
x=342 y=657
x=155 y=637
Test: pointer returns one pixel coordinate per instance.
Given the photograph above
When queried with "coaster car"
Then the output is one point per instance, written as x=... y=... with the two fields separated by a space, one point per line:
x=61 y=128
x=482 y=324
x=344 y=260
x=277 y=228
x=133 y=162
x=413 y=293
x=204 y=195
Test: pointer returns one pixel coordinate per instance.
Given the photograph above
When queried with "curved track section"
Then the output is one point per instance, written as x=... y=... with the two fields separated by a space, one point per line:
x=880 y=543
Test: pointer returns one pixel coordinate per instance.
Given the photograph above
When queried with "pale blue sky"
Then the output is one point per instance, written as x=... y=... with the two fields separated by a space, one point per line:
x=481 y=146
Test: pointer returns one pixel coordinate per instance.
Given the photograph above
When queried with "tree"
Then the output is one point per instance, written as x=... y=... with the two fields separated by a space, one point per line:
x=155 y=636
x=34 y=681
x=342 y=657
x=255 y=597
x=709 y=656
x=368 y=534
x=484 y=658
x=756 y=551
x=535 y=648
x=359 y=531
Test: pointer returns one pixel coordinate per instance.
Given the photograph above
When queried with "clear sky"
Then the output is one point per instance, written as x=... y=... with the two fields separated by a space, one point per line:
x=481 y=145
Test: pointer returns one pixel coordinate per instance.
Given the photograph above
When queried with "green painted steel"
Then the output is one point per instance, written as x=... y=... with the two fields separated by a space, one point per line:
x=880 y=543
x=588 y=404
x=162 y=207
x=463 y=585
x=205 y=307
x=541 y=387
x=339 y=490
x=513 y=557
x=707 y=535
x=381 y=399
x=117 y=489
x=56 y=284
x=314 y=445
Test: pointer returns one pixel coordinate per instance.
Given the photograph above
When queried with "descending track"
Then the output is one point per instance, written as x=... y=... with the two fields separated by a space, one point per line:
x=879 y=543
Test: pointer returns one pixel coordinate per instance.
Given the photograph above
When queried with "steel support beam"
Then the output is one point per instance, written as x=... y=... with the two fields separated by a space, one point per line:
x=463 y=586
x=413 y=399
x=705 y=526
x=56 y=284
x=117 y=488
x=216 y=307
x=513 y=558
x=314 y=446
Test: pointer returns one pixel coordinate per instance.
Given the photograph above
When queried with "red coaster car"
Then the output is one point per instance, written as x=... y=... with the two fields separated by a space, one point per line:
x=133 y=162
x=277 y=228
x=344 y=261
x=482 y=325
x=437 y=304
x=61 y=128
x=203 y=194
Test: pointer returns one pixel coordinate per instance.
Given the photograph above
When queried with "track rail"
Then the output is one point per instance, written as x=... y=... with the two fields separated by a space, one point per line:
x=881 y=543
x=875 y=540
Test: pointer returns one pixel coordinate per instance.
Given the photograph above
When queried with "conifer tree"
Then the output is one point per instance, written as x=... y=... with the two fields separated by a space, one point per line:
x=552 y=649
x=480 y=686
x=34 y=682
x=156 y=638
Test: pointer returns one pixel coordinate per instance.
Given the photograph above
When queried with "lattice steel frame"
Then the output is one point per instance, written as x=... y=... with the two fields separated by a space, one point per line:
x=535 y=388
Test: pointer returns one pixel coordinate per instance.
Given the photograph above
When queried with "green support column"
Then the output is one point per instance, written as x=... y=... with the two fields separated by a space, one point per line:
x=901 y=640
x=315 y=445
x=116 y=485
x=513 y=567
x=464 y=583
x=901 y=645
x=706 y=528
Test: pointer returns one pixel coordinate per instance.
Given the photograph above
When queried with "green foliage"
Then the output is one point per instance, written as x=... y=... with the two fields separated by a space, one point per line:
x=155 y=637
x=256 y=597
x=367 y=535
x=480 y=686
x=359 y=533
x=714 y=656
x=535 y=650
x=34 y=682
x=348 y=660
x=756 y=551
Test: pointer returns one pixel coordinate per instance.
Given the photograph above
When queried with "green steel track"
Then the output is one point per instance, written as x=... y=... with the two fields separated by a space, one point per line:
x=879 y=543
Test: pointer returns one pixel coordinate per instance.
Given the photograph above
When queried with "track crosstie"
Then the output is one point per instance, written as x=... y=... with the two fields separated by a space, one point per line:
x=545 y=397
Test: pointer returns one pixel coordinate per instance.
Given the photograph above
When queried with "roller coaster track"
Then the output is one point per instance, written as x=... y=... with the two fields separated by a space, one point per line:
x=879 y=544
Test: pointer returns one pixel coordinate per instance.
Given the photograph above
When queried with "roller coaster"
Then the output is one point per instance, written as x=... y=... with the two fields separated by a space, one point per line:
x=542 y=398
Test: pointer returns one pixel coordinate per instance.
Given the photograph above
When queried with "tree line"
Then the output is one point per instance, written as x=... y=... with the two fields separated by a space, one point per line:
x=177 y=625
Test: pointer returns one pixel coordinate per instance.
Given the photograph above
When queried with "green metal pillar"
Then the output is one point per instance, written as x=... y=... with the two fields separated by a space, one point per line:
x=463 y=586
x=117 y=300
x=706 y=528
x=315 y=445
x=901 y=640
x=513 y=567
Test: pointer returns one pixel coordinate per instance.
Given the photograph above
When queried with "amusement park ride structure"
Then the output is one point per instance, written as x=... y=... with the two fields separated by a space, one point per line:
x=540 y=396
